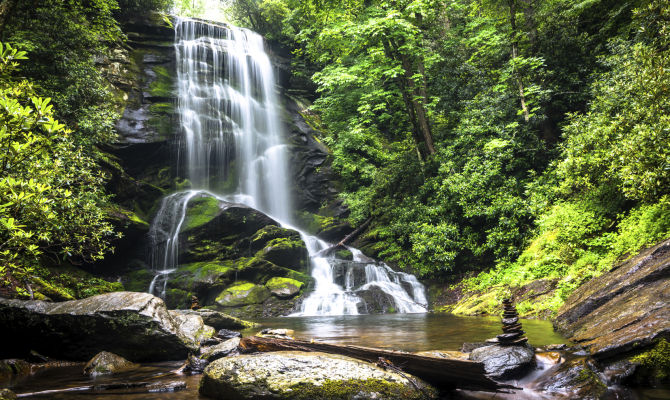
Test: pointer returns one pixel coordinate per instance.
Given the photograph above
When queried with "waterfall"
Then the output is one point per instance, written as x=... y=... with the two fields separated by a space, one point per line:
x=232 y=148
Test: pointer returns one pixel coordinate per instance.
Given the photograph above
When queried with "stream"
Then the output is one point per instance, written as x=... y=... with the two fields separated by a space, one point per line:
x=409 y=332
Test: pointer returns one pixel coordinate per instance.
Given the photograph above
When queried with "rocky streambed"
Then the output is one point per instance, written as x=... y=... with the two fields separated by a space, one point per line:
x=62 y=350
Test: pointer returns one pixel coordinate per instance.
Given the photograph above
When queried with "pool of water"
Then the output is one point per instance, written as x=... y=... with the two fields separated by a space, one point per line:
x=408 y=332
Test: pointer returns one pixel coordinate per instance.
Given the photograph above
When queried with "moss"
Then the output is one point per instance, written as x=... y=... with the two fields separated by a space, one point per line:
x=161 y=108
x=479 y=303
x=177 y=298
x=163 y=84
x=242 y=293
x=278 y=283
x=655 y=362
x=200 y=211
x=314 y=223
x=351 y=389
x=66 y=282
x=344 y=254
x=138 y=281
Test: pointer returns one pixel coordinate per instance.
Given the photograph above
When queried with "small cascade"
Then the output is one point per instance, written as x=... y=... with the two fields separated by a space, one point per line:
x=164 y=238
x=232 y=144
x=340 y=283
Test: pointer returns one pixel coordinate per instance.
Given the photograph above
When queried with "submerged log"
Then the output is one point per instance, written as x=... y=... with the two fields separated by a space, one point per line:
x=443 y=373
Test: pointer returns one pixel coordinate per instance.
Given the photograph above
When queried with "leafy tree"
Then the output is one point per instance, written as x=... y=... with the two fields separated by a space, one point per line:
x=51 y=194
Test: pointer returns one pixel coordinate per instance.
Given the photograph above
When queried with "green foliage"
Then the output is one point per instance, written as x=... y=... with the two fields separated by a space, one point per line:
x=51 y=194
x=656 y=360
x=523 y=178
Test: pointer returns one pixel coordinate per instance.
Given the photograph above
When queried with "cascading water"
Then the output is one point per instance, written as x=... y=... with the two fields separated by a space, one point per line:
x=232 y=143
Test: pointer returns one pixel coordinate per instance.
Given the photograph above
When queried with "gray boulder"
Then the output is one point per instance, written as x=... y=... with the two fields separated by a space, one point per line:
x=220 y=350
x=219 y=320
x=505 y=362
x=106 y=363
x=299 y=375
x=136 y=326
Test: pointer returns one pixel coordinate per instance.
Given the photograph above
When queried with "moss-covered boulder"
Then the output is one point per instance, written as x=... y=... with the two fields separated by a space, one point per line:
x=298 y=375
x=287 y=252
x=284 y=288
x=242 y=294
x=106 y=363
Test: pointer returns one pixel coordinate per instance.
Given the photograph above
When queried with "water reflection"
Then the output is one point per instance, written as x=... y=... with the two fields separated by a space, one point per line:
x=409 y=332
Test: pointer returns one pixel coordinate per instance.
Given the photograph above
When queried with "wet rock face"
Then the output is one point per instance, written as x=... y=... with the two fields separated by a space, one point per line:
x=575 y=379
x=150 y=81
x=106 y=363
x=624 y=310
x=136 y=326
x=297 y=375
x=505 y=362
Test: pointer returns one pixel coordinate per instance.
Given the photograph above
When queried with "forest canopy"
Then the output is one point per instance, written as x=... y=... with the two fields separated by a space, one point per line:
x=524 y=138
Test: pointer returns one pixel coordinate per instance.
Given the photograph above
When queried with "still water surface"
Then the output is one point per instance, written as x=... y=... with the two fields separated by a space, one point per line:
x=408 y=332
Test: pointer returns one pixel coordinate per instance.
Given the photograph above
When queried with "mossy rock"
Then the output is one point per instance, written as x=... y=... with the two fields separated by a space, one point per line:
x=654 y=364
x=268 y=233
x=258 y=270
x=242 y=294
x=286 y=252
x=138 y=280
x=163 y=85
x=200 y=211
x=299 y=375
x=344 y=254
x=195 y=275
x=177 y=298
x=284 y=288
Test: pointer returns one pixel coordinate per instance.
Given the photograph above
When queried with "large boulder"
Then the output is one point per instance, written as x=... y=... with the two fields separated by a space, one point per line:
x=136 y=326
x=505 y=362
x=298 y=375
x=623 y=310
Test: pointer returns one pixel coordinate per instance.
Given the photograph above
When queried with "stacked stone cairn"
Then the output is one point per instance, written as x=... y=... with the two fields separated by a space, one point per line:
x=512 y=333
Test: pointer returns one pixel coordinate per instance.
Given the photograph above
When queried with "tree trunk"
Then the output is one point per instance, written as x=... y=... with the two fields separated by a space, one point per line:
x=408 y=103
x=515 y=54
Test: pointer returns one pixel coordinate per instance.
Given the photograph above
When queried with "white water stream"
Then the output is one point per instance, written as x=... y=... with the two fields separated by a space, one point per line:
x=233 y=144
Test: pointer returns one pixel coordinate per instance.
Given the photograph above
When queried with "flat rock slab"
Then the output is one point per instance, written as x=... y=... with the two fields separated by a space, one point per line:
x=219 y=320
x=136 y=326
x=623 y=310
x=504 y=362
x=302 y=375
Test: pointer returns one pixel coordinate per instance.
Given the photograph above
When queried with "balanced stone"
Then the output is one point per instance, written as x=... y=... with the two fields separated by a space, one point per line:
x=512 y=333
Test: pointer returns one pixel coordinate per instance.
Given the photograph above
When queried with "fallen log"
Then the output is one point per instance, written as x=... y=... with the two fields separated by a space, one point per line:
x=442 y=373
x=345 y=240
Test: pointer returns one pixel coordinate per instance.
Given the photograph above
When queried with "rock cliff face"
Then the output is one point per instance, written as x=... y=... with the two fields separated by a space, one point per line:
x=222 y=254
x=623 y=311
